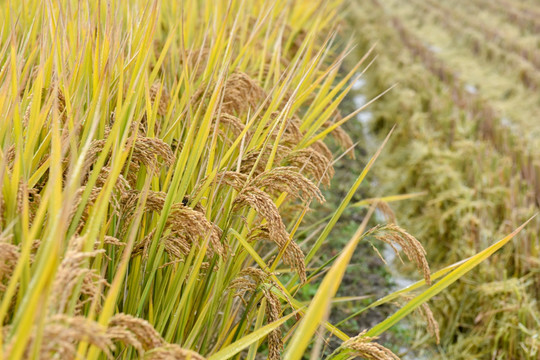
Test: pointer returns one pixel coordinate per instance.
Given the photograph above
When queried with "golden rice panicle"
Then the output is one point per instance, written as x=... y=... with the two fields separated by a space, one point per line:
x=8 y=156
x=255 y=161
x=241 y=93
x=146 y=336
x=164 y=98
x=96 y=147
x=70 y=274
x=392 y=234
x=94 y=193
x=121 y=185
x=121 y=334
x=69 y=331
x=425 y=312
x=146 y=150
x=263 y=204
x=111 y=240
x=196 y=61
x=9 y=255
x=386 y=211
x=322 y=149
x=155 y=201
x=141 y=248
x=232 y=123
x=191 y=223
x=292 y=134
x=248 y=280
x=128 y=205
x=173 y=352
x=431 y=322
x=365 y=347
x=177 y=246
x=186 y=225
x=121 y=190
x=259 y=232
x=273 y=312
x=29 y=195
x=340 y=135
x=234 y=179
x=288 y=179
x=61 y=337
x=311 y=162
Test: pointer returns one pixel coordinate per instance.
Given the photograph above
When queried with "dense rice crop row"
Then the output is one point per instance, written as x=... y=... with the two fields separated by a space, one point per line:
x=150 y=153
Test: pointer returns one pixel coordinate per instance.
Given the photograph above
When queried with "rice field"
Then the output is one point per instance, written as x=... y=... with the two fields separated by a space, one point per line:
x=199 y=180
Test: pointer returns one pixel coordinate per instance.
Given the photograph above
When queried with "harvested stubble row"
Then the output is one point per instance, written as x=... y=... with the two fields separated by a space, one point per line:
x=494 y=79
x=489 y=126
x=526 y=21
x=478 y=182
x=491 y=34
x=529 y=76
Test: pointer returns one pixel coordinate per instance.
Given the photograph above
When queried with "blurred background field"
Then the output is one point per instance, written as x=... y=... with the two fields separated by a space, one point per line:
x=466 y=106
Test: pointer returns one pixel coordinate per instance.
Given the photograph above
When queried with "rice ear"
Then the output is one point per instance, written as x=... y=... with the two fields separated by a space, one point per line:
x=322 y=149
x=248 y=280
x=96 y=147
x=145 y=151
x=123 y=335
x=392 y=234
x=9 y=255
x=340 y=135
x=273 y=312
x=94 y=193
x=141 y=248
x=313 y=163
x=259 y=232
x=387 y=211
x=177 y=247
x=196 y=61
x=70 y=272
x=241 y=93
x=232 y=123
x=425 y=312
x=191 y=223
x=62 y=335
x=432 y=324
x=234 y=179
x=164 y=98
x=287 y=179
x=365 y=347
x=141 y=329
x=32 y=196
x=264 y=205
x=255 y=161
x=172 y=352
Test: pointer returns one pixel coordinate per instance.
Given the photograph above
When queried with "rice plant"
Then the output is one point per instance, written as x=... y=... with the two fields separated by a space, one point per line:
x=157 y=161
